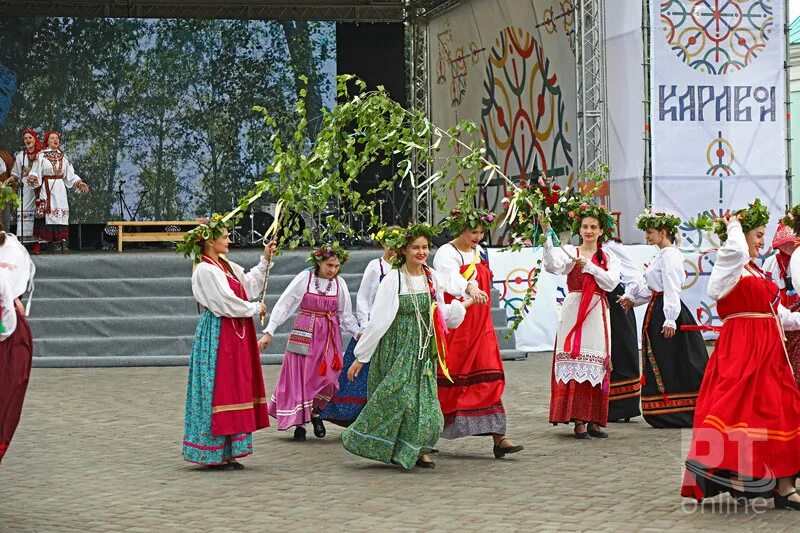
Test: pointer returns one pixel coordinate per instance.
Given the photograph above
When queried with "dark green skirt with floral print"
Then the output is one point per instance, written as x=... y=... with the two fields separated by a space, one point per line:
x=402 y=418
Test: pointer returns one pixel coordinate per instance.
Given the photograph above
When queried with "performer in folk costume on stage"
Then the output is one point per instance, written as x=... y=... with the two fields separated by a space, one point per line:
x=472 y=403
x=792 y=220
x=225 y=398
x=746 y=438
x=402 y=419
x=582 y=357
x=626 y=378
x=16 y=345
x=348 y=402
x=53 y=173
x=311 y=366
x=23 y=162
x=776 y=266
x=673 y=361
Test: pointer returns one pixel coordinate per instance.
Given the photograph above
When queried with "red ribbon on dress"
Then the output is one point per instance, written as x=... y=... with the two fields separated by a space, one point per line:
x=572 y=343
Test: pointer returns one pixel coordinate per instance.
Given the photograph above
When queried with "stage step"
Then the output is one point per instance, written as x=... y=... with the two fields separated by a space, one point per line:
x=137 y=309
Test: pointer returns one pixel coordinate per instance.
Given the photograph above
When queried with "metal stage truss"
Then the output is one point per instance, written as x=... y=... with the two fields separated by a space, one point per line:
x=590 y=47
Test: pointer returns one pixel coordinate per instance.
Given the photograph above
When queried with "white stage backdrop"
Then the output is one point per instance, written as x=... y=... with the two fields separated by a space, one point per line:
x=509 y=66
x=717 y=120
x=717 y=105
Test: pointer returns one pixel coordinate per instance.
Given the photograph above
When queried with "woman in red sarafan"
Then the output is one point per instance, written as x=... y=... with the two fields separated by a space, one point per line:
x=472 y=403
x=582 y=357
x=776 y=267
x=746 y=436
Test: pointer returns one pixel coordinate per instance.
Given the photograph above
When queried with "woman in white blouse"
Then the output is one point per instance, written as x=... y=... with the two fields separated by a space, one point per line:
x=345 y=406
x=402 y=419
x=673 y=361
x=225 y=398
x=746 y=438
x=582 y=356
x=312 y=363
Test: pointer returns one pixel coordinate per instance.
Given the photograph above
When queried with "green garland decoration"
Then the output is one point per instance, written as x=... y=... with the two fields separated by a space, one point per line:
x=658 y=220
x=399 y=238
x=8 y=197
x=754 y=215
x=209 y=230
x=465 y=217
x=585 y=209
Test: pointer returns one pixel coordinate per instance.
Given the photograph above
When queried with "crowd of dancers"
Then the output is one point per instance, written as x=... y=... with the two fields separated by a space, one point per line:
x=425 y=363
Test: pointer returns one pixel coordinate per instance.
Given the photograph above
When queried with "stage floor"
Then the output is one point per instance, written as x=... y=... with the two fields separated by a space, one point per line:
x=100 y=450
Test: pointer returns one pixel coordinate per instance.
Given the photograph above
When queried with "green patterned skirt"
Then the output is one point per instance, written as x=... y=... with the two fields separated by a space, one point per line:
x=402 y=418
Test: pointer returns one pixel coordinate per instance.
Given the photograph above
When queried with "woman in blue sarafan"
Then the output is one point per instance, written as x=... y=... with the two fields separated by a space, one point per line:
x=344 y=408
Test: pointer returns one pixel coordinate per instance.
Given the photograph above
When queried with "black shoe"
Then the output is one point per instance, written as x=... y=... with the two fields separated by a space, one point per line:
x=581 y=435
x=596 y=433
x=236 y=465
x=425 y=464
x=783 y=502
x=500 y=451
x=319 y=427
x=299 y=433
x=738 y=496
x=221 y=466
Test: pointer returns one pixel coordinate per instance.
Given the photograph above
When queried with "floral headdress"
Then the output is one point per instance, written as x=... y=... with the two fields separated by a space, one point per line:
x=326 y=252
x=586 y=209
x=792 y=218
x=658 y=220
x=212 y=229
x=465 y=217
x=756 y=214
x=381 y=234
x=399 y=238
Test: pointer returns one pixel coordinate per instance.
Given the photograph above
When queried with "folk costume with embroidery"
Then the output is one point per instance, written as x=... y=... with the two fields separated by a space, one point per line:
x=472 y=403
x=747 y=419
x=311 y=366
x=581 y=374
x=402 y=418
x=672 y=368
x=53 y=174
x=225 y=400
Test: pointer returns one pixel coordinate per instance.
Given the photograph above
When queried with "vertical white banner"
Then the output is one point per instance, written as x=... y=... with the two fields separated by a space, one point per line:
x=717 y=119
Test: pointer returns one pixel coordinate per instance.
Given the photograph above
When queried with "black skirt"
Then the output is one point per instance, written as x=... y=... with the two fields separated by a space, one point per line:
x=623 y=399
x=673 y=368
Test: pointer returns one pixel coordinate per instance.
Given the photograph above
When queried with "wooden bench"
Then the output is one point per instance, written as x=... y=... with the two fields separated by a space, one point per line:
x=125 y=234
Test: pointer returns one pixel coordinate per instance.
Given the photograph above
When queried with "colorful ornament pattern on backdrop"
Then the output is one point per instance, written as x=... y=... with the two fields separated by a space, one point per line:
x=718 y=36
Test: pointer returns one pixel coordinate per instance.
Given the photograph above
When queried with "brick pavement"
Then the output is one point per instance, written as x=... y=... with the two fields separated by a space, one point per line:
x=99 y=450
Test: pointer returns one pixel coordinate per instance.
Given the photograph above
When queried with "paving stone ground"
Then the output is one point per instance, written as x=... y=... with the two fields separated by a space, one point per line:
x=99 y=450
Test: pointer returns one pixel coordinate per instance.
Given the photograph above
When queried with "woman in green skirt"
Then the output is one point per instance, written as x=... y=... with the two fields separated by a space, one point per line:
x=402 y=420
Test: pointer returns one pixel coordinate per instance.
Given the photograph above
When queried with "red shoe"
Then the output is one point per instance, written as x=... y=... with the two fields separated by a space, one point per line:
x=37 y=248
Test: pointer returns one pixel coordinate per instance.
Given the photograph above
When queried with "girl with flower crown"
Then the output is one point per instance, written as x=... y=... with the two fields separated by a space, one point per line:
x=345 y=406
x=746 y=437
x=402 y=420
x=312 y=363
x=673 y=360
x=472 y=403
x=53 y=174
x=582 y=355
x=225 y=397
x=784 y=243
x=23 y=162
x=787 y=244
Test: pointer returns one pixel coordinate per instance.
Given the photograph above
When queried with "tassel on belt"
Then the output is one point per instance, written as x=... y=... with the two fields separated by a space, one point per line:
x=336 y=364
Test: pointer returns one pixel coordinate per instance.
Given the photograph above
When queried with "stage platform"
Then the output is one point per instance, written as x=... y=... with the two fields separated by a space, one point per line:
x=136 y=308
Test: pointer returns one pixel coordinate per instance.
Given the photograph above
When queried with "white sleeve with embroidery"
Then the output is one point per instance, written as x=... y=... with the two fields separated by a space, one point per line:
x=731 y=260
x=211 y=290
x=288 y=303
x=387 y=300
x=70 y=177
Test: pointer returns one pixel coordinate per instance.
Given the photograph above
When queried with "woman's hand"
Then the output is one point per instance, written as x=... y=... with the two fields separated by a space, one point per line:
x=354 y=370
x=20 y=307
x=262 y=309
x=31 y=181
x=625 y=303
x=269 y=249
x=580 y=261
x=545 y=228
x=668 y=332
x=264 y=341
x=476 y=294
x=82 y=186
